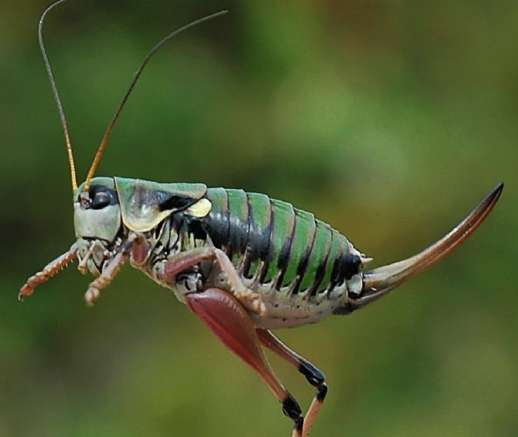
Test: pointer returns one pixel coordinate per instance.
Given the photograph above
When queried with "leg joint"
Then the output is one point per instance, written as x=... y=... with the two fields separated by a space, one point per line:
x=291 y=408
x=322 y=392
x=314 y=376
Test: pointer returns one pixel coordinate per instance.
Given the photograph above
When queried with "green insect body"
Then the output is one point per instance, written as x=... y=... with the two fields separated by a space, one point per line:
x=242 y=262
x=301 y=269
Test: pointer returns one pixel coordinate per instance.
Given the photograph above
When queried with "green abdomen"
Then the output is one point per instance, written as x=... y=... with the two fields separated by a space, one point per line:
x=280 y=245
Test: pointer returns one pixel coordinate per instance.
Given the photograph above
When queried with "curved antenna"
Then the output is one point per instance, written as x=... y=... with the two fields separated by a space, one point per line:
x=104 y=142
x=55 y=92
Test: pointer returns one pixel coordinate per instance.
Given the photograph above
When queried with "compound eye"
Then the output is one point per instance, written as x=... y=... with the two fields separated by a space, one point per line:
x=101 y=199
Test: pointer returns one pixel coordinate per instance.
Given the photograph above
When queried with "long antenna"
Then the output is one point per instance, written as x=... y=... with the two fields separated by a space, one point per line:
x=104 y=142
x=68 y=142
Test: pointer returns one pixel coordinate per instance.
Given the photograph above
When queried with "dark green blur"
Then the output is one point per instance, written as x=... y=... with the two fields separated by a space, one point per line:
x=389 y=120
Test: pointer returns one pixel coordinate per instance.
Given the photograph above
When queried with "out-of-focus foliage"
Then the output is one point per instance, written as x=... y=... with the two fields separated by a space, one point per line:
x=389 y=120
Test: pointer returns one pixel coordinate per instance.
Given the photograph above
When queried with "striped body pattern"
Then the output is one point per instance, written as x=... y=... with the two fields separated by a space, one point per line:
x=303 y=268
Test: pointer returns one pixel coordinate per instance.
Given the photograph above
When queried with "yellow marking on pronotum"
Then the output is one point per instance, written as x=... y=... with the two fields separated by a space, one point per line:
x=200 y=209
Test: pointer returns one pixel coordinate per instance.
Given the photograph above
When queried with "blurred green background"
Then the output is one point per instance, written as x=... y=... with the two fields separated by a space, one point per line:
x=389 y=120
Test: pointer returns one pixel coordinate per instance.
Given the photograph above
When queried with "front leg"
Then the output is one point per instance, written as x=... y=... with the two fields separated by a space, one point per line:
x=49 y=271
x=110 y=271
x=105 y=278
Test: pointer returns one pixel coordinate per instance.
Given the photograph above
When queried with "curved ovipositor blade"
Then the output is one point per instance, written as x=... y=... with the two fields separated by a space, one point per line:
x=379 y=281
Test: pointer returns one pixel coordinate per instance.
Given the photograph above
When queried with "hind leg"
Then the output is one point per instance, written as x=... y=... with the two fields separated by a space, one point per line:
x=314 y=376
x=231 y=323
